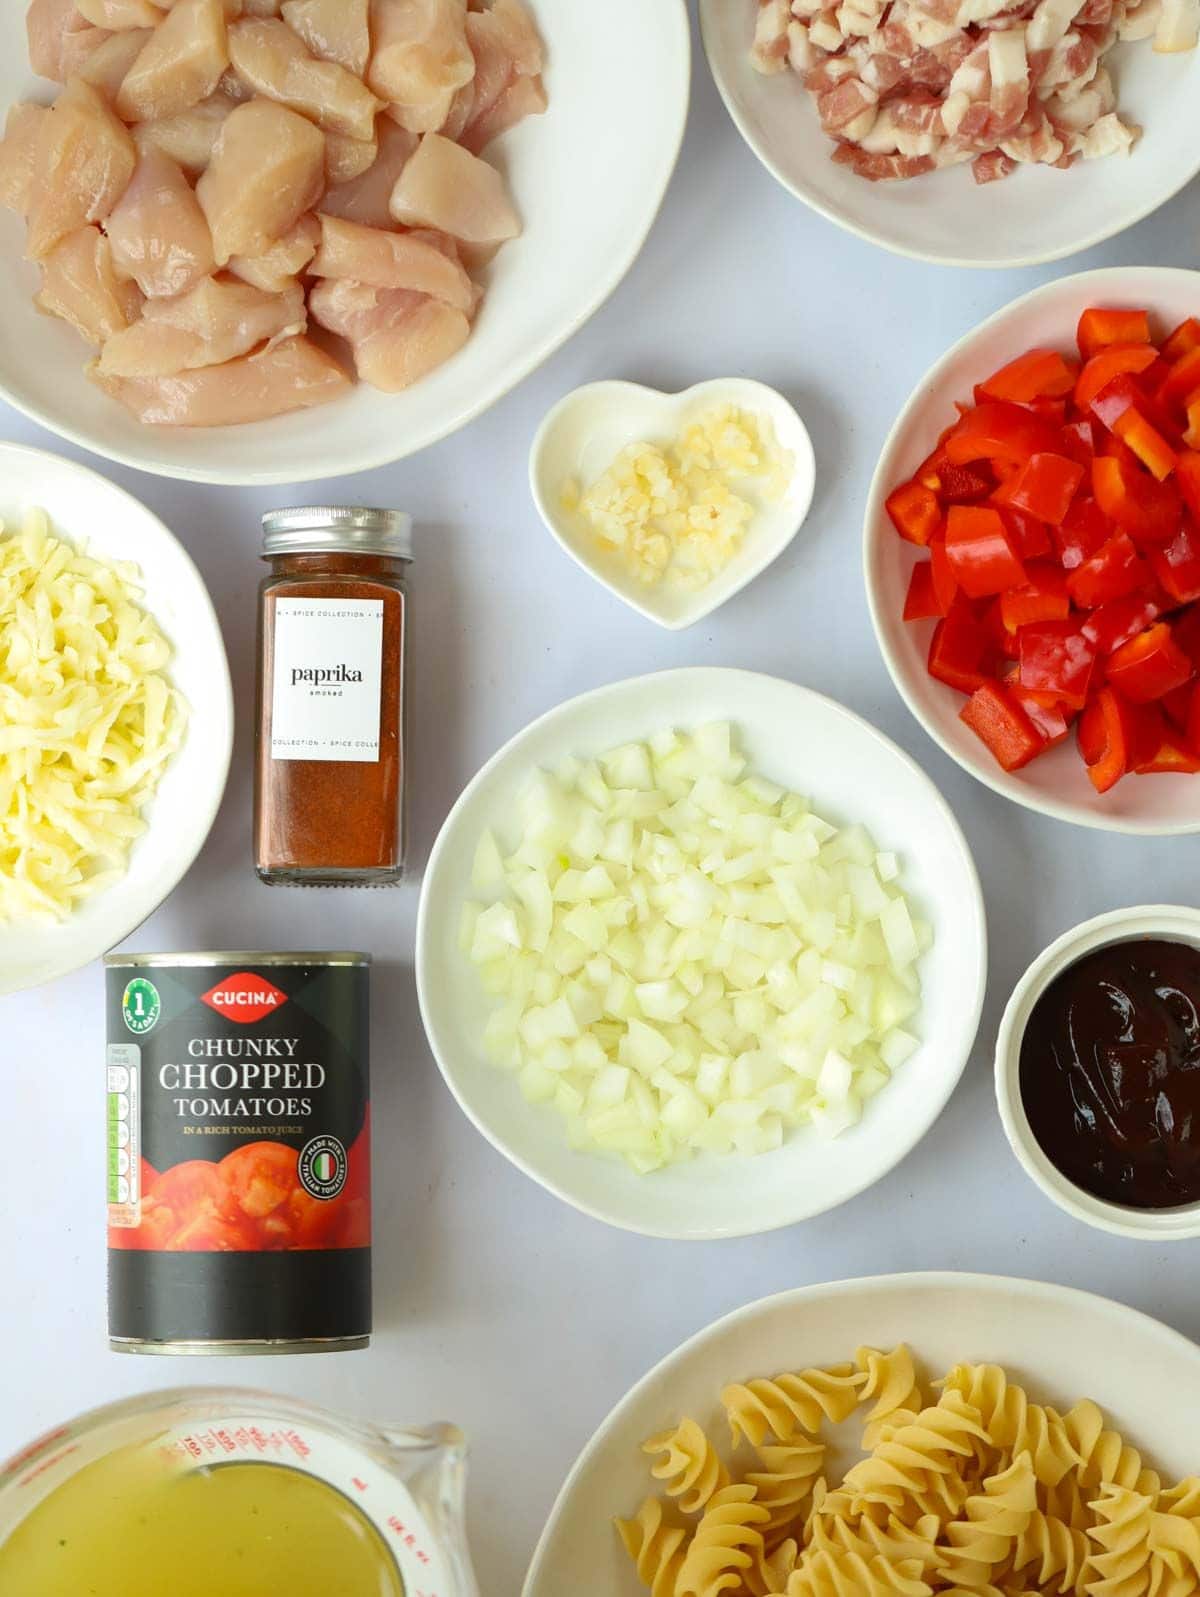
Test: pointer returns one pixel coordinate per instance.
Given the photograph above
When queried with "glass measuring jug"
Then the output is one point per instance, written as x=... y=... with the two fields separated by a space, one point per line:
x=394 y=1494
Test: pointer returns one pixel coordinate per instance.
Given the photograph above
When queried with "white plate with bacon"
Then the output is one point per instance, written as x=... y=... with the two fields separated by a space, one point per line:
x=1031 y=132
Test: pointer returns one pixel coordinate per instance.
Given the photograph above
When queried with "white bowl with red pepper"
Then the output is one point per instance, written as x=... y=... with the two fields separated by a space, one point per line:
x=1032 y=551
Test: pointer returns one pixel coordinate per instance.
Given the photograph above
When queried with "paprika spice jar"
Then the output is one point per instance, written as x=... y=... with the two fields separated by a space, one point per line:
x=330 y=757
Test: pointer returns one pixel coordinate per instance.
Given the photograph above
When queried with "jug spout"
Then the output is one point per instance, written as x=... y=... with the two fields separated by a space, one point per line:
x=432 y=1462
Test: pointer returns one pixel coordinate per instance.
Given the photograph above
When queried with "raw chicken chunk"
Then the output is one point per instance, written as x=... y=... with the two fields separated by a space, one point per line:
x=267 y=55
x=60 y=39
x=392 y=260
x=158 y=232
x=83 y=163
x=397 y=336
x=80 y=285
x=291 y=375
x=336 y=30
x=523 y=97
x=18 y=152
x=366 y=199
x=285 y=260
x=120 y=14
x=106 y=68
x=267 y=169
x=181 y=64
x=216 y=321
x=189 y=136
x=346 y=159
x=422 y=58
x=446 y=187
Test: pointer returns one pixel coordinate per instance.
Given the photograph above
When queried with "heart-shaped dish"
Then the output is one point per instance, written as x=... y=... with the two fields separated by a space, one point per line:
x=586 y=430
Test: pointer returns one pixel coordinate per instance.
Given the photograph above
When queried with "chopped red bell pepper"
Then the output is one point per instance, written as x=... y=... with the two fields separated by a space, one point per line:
x=1001 y=433
x=995 y=717
x=1186 y=627
x=1110 y=625
x=1172 y=757
x=964 y=484
x=1057 y=659
x=1149 y=665
x=1113 y=571
x=1191 y=436
x=982 y=551
x=1079 y=442
x=945 y=583
x=1187 y=472
x=1043 y=598
x=1044 y=487
x=1183 y=379
x=1051 y=720
x=1177 y=705
x=1031 y=538
x=1084 y=533
x=1149 y=511
x=960 y=652
x=915 y=512
x=1118 y=734
x=1147 y=443
x=922 y=602
x=1090 y=733
x=1099 y=329
x=1177 y=564
x=1185 y=338
x=1062 y=520
x=1109 y=363
x=1040 y=374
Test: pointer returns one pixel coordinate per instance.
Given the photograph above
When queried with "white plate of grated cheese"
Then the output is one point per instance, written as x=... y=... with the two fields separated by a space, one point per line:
x=48 y=926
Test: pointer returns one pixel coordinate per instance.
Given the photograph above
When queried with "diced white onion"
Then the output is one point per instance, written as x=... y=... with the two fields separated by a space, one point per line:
x=686 y=958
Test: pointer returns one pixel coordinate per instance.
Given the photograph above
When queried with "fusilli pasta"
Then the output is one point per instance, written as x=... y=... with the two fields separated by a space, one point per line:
x=983 y=1493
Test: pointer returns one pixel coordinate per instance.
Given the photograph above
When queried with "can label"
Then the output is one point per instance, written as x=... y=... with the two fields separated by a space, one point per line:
x=238 y=1125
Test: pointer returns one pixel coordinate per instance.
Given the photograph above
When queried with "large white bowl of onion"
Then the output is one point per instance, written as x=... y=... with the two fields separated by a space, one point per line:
x=701 y=952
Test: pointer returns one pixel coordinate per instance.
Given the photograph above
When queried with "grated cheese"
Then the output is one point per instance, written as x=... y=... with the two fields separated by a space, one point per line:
x=674 y=509
x=88 y=720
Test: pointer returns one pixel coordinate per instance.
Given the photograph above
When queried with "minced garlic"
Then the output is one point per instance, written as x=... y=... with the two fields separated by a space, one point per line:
x=673 y=509
x=88 y=720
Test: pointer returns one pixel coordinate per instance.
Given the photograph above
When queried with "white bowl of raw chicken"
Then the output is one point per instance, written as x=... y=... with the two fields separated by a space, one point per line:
x=587 y=185
x=1038 y=214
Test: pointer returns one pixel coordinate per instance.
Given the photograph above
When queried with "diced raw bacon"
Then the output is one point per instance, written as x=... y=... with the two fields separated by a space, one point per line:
x=906 y=86
x=770 y=50
x=1009 y=66
x=828 y=74
x=993 y=166
x=882 y=168
x=841 y=107
x=917 y=113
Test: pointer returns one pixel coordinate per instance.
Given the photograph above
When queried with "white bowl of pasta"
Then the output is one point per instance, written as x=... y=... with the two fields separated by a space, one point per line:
x=1103 y=1366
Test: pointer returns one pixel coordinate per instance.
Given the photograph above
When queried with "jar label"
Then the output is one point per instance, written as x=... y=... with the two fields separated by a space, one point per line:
x=326 y=691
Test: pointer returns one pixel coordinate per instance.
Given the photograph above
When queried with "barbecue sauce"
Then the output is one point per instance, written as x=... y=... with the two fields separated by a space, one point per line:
x=1110 y=1073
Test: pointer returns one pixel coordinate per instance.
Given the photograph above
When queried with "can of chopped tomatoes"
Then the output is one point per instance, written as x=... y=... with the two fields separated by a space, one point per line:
x=239 y=1158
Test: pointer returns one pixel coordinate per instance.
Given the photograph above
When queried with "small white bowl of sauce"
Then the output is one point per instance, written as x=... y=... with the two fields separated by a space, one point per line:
x=582 y=437
x=1098 y=1072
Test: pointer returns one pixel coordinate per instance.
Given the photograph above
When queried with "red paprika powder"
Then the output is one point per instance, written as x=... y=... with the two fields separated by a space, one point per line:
x=330 y=758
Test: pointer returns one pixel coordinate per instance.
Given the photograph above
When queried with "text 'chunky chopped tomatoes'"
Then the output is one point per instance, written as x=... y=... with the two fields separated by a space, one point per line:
x=1057 y=525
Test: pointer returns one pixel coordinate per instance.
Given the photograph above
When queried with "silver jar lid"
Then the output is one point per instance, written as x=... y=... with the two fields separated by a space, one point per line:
x=332 y=529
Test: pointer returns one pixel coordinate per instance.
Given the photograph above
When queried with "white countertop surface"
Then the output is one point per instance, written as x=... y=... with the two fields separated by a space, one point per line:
x=496 y=1305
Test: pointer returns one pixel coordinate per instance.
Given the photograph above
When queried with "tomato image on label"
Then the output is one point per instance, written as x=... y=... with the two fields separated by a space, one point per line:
x=239 y=1131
